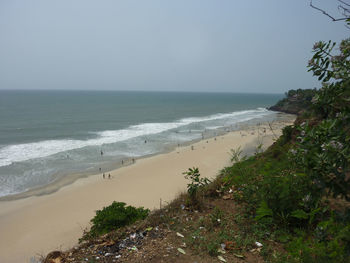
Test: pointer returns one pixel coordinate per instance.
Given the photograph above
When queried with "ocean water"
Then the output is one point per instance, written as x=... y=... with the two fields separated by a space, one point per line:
x=48 y=135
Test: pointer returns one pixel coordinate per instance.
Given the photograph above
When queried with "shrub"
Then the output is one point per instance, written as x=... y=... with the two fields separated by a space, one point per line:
x=115 y=216
x=323 y=151
x=196 y=182
x=286 y=135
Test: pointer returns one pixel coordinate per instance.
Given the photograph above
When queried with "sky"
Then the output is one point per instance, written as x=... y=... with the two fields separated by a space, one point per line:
x=161 y=45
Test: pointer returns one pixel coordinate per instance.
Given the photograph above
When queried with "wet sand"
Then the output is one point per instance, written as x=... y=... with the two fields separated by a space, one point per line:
x=39 y=224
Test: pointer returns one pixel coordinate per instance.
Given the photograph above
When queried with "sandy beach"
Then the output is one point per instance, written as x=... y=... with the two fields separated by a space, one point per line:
x=39 y=224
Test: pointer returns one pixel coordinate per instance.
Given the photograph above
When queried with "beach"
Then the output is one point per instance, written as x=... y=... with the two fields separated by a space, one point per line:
x=36 y=225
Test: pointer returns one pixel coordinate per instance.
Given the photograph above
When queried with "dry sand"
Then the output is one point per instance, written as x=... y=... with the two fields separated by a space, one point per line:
x=39 y=224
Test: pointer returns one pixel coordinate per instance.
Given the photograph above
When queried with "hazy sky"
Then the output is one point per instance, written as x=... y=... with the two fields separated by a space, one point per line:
x=184 y=45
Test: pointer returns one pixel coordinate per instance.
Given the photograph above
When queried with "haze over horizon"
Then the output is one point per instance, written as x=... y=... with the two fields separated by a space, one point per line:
x=198 y=45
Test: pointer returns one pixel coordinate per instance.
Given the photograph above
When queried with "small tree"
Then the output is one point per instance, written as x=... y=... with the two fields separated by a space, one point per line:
x=196 y=181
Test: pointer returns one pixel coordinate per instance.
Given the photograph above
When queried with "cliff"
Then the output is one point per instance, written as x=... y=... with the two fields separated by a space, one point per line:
x=295 y=102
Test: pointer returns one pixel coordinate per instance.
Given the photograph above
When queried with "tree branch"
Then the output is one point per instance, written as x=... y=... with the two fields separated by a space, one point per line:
x=344 y=3
x=344 y=11
x=325 y=13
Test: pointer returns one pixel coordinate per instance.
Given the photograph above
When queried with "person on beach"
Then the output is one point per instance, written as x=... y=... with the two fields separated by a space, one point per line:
x=122 y=162
x=101 y=153
x=103 y=175
x=109 y=176
x=133 y=160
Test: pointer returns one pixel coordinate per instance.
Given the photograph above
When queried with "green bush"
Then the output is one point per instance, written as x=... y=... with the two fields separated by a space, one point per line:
x=196 y=181
x=115 y=216
x=333 y=247
x=271 y=185
x=286 y=134
x=323 y=151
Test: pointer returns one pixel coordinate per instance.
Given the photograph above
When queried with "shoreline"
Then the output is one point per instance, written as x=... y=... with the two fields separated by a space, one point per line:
x=40 y=224
x=70 y=178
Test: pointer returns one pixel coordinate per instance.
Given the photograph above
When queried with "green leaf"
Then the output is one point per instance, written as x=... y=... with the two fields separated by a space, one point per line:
x=321 y=76
x=300 y=214
x=263 y=211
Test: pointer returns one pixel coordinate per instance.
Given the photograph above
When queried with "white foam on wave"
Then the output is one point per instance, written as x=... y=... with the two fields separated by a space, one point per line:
x=214 y=127
x=223 y=115
x=23 y=152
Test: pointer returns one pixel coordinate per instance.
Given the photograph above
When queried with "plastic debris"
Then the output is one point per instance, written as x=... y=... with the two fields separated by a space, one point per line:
x=221 y=259
x=227 y=197
x=258 y=244
x=181 y=251
x=221 y=251
x=179 y=234
x=255 y=250
x=134 y=248
x=238 y=255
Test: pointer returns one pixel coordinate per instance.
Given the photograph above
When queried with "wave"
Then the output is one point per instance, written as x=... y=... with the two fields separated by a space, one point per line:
x=23 y=152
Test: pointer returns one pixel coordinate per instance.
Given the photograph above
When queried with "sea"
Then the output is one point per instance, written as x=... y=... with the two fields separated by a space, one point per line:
x=47 y=136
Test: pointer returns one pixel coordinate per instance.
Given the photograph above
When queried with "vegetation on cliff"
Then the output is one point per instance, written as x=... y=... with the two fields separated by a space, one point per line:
x=295 y=101
x=300 y=187
x=115 y=216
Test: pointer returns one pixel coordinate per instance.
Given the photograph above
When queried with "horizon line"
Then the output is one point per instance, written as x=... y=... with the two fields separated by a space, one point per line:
x=164 y=91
